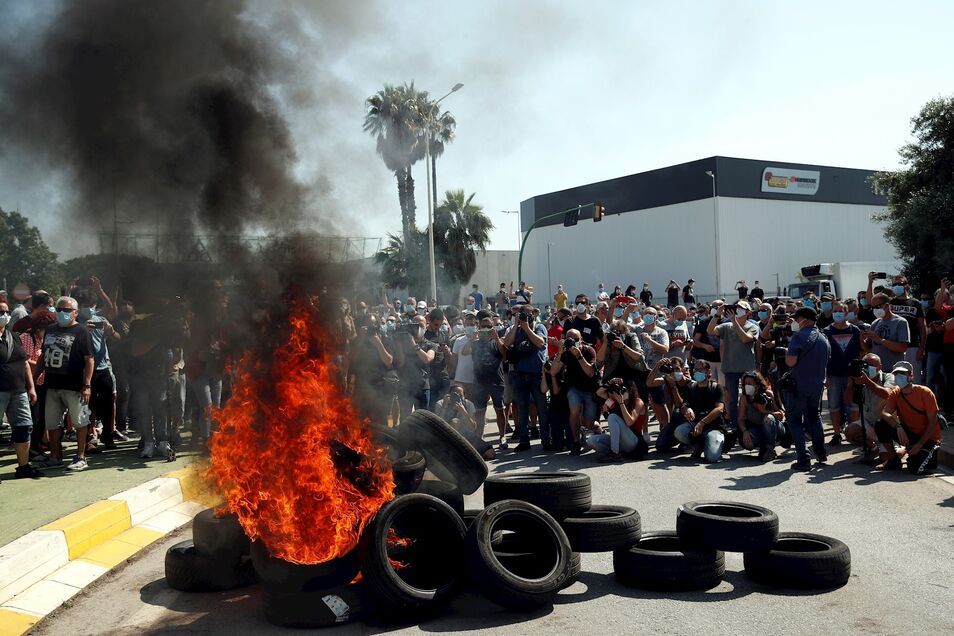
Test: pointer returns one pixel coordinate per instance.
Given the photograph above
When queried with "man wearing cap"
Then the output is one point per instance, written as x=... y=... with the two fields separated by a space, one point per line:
x=737 y=338
x=845 y=341
x=909 y=418
x=807 y=358
x=825 y=308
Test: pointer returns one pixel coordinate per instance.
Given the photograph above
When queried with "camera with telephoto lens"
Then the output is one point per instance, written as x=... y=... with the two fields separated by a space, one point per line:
x=856 y=368
x=614 y=386
x=666 y=368
x=611 y=337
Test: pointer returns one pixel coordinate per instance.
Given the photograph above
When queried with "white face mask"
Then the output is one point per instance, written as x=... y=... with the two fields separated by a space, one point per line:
x=580 y=308
x=879 y=312
x=713 y=311
x=795 y=326
x=740 y=312
x=678 y=376
x=4 y=320
x=750 y=389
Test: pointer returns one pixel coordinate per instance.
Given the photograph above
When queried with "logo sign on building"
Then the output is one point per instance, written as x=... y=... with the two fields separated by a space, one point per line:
x=789 y=181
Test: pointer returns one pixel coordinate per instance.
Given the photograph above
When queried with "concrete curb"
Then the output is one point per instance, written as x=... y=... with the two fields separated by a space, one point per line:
x=45 y=568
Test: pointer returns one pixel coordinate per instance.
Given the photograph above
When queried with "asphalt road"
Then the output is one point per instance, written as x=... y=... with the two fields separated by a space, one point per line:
x=900 y=532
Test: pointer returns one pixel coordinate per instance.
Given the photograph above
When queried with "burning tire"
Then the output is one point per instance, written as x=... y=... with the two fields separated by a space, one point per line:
x=448 y=493
x=559 y=494
x=449 y=455
x=727 y=525
x=408 y=472
x=281 y=575
x=524 y=579
x=189 y=570
x=664 y=561
x=411 y=554
x=603 y=529
x=220 y=537
x=800 y=560
x=318 y=608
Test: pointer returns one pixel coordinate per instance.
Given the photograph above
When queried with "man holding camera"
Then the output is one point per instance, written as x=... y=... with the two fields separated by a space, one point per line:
x=845 y=341
x=807 y=359
x=889 y=334
x=415 y=355
x=910 y=417
x=526 y=344
x=579 y=360
x=738 y=337
x=867 y=395
x=487 y=351
x=702 y=412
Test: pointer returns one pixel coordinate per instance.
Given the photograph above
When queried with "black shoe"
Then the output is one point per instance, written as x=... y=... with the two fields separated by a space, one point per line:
x=547 y=447
x=522 y=446
x=802 y=466
x=515 y=437
x=835 y=440
x=534 y=433
x=821 y=458
x=696 y=453
x=27 y=472
x=575 y=449
x=768 y=455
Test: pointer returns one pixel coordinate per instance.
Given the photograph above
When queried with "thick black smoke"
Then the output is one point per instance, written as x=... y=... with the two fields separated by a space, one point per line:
x=169 y=109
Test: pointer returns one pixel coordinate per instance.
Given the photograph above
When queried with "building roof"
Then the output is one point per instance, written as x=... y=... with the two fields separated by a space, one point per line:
x=743 y=178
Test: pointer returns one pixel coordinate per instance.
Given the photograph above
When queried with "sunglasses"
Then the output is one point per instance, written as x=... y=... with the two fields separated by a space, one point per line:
x=4 y=312
x=65 y=310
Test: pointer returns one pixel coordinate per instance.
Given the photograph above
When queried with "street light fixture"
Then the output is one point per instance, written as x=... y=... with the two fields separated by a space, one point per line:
x=715 y=223
x=431 y=194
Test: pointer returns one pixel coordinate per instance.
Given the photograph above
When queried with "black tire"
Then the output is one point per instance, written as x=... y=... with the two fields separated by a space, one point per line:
x=316 y=608
x=449 y=455
x=432 y=559
x=663 y=561
x=220 y=537
x=295 y=577
x=518 y=581
x=801 y=561
x=559 y=494
x=408 y=472
x=727 y=525
x=387 y=438
x=603 y=529
x=516 y=552
x=189 y=570
x=469 y=515
x=448 y=493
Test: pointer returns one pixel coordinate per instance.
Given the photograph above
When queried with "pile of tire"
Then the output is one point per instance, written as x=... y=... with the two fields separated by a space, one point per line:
x=693 y=557
x=216 y=559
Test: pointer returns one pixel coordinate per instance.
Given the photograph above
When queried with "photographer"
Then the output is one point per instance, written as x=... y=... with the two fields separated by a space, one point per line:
x=846 y=346
x=371 y=365
x=655 y=343
x=620 y=355
x=702 y=411
x=582 y=379
x=673 y=377
x=910 y=418
x=760 y=420
x=526 y=344
x=487 y=351
x=458 y=411
x=558 y=408
x=866 y=394
x=738 y=338
x=626 y=417
x=438 y=333
x=414 y=356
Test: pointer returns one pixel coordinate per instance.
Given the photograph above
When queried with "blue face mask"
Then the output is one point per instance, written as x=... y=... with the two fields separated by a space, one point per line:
x=872 y=371
x=898 y=290
x=649 y=319
x=64 y=318
x=698 y=376
x=851 y=315
x=763 y=315
x=826 y=306
x=810 y=304
x=680 y=323
x=87 y=312
x=52 y=309
x=925 y=303
x=618 y=312
x=839 y=316
x=863 y=302
x=901 y=380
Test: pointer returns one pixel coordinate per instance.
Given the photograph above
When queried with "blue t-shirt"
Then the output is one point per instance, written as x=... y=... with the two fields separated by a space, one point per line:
x=813 y=350
x=845 y=347
x=533 y=362
x=101 y=360
x=478 y=300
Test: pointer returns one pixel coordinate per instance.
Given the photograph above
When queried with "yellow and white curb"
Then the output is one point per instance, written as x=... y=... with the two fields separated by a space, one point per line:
x=45 y=568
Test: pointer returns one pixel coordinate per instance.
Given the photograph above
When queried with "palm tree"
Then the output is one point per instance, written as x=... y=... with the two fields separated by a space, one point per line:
x=441 y=128
x=460 y=229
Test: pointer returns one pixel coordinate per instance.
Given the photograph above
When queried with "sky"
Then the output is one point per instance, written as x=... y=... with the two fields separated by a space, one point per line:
x=558 y=94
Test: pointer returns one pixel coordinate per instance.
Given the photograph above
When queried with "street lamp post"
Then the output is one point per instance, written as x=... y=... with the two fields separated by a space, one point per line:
x=431 y=194
x=715 y=223
x=549 y=278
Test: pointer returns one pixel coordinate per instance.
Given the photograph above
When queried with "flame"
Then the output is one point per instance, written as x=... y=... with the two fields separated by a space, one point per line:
x=292 y=458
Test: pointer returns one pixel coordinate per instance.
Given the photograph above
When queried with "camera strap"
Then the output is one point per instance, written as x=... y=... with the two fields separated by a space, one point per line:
x=908 y=402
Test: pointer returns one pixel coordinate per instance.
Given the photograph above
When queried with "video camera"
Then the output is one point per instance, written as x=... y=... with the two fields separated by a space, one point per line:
x=856 y=368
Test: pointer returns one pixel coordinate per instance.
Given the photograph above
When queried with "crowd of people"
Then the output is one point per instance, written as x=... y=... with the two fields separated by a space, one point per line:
x=595 y=374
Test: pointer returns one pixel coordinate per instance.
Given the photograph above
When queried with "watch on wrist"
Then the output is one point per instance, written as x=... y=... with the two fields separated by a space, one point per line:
x=86 y=386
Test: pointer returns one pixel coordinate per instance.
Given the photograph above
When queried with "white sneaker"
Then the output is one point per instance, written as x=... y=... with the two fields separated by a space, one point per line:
x=503 y=443
x=78 y=464
x=164 y=449
x=148 y=450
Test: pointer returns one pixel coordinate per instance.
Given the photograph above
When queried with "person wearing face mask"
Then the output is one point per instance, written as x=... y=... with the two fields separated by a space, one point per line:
x=757 y=293
x=673 y=377
x=626 y=421
x=764 y=316
x=462 y=362
x=655 y=343
x=487 y=351
x=602 y=313
x=703 y=410
x=579 y=360
x=68 y=363
x=738 y=339
x=620 y=355
x=17 y=393
x=679 y=332
x=845 y=340
x=824 y=311
x=478 y=297
x=689 y=293
x=560 y=297
x=889 y=334
x=526 y=345
x=910 y=417
x=854 y=313
x=909 y=308
x=370 y=364
x=590 y=327
x=414 y=357
x=555 y=331
x=102 y=402
x=810 y=300
x=807 y=359
x=705 y=345
x=646 y=295
x=865 y=313
x=867 y=406
x=32 y=343
x=760 y=419
x=438 y=333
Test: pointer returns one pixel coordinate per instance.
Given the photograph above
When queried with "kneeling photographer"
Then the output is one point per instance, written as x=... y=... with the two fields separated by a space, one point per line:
x=760 y=419
x=866 y=396
x=703 y=411
x=626 y=417
x=460 y=413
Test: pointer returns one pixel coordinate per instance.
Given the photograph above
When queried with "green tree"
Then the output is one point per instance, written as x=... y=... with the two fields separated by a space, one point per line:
x=25 y=257
x=920 y=211
x=460 y=229
x=440 y=126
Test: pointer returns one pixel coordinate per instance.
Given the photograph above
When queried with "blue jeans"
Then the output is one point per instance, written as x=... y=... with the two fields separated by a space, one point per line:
x=438 y=390
x=526 y=387
x=765 y=436
x=620 y=438
x=16 y=406
x=208 y=393
x=804 y=415
x=148 y=404
x=712 y=442
x=666 y=439
x=934 y=371
x=732 y=382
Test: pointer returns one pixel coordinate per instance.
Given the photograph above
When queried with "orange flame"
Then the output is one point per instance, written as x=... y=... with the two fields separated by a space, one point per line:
x=291 y=456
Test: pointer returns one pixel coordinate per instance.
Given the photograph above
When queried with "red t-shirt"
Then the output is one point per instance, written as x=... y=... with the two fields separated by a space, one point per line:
x=556 y=332
x=948 y=333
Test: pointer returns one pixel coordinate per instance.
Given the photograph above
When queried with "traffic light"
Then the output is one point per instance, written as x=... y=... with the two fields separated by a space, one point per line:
x=598 y=210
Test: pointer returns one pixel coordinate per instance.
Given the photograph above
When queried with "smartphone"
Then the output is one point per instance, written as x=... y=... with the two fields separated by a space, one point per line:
x=881 y=275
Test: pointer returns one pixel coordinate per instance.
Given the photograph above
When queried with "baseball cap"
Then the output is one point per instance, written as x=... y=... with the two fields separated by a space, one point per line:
x=903 y=367
x=692 y=280
x=421 y=304
x=744 y=305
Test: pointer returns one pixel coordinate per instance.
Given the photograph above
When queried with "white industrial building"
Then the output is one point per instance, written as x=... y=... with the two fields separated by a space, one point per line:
x=716 y=220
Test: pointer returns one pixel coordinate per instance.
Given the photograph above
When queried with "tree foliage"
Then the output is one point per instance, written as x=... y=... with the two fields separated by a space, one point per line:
x=920 y=211
x=24 y=256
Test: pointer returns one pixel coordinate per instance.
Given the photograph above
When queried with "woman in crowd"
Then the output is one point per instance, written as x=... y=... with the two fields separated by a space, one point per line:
x=626 y=417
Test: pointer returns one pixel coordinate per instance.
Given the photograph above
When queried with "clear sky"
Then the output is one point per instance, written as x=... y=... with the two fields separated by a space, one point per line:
x=558 y=94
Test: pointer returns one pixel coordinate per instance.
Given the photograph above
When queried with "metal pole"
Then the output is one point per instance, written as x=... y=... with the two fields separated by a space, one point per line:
x=715 y=223
x=549 y=279
x=430 y=220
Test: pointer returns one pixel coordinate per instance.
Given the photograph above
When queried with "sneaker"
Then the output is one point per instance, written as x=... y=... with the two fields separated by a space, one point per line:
x=696 y=453
x=50 y=462
x=610 y=458
x=576 y=449
x=78 y=463
x=70 y=436
x=514 y=437
x=27 y=472
x=835 y=440
x=534 y=433
x=802 y=466
x=822 y=458
x=522 y=446
x=166 y=450
x=547 y=447
x=148 y=450
x=119 y=436
x=502 y=444
x=892 y=464
x=768 y=455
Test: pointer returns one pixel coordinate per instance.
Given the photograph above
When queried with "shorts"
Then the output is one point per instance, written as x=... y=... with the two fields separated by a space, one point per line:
x=60 y=401
x=508 y=396
x=836 y=394
x=16 y=406
x=579 y=398
x=484 y=391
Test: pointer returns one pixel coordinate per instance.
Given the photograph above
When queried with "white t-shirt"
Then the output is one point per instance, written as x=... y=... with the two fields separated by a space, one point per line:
x=465 y=364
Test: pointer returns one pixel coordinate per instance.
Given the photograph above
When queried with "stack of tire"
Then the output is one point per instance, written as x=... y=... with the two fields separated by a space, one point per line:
x=693 y=557
x=216 y=559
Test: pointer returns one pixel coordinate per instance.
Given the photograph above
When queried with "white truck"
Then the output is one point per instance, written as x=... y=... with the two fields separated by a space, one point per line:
x=842 y=280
